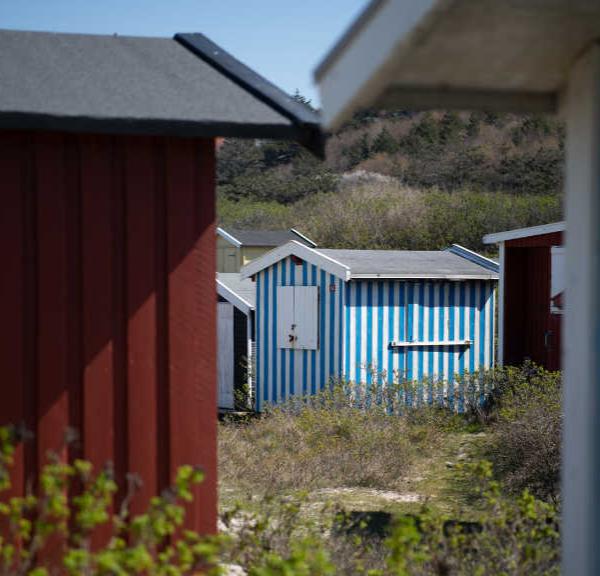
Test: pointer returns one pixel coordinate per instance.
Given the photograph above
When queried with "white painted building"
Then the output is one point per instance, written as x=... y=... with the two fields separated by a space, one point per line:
x=518 y=56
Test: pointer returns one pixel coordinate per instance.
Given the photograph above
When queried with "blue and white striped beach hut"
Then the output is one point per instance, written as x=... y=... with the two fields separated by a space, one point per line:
x=367 y=314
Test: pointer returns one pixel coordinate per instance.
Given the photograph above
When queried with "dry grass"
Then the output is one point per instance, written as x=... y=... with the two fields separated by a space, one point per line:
x=324 y=443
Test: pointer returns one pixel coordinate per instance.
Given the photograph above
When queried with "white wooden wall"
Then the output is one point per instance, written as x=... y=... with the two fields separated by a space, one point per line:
x=225 y=361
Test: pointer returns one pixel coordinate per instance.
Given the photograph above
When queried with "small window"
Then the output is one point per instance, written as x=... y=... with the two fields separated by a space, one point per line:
x=297 y=317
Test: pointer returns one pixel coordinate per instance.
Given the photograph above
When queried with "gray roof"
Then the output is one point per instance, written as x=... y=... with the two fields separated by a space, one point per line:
x=407 y=264
x=243 y=288
x=184 y=86
x=266 y=237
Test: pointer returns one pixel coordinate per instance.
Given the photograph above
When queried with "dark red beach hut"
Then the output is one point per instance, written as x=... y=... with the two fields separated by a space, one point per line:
x=531 y=293
x=107 y=244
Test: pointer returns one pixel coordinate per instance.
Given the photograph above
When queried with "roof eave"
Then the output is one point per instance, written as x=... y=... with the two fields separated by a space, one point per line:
x=231 y=296
x=295 y=248
x=498 y=237
x=306 y=127
x=419 y=55
x=452 y=277
x=143 y=126
x=229 y=237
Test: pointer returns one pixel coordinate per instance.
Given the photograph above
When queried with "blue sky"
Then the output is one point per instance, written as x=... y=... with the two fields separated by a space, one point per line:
x=282 y=39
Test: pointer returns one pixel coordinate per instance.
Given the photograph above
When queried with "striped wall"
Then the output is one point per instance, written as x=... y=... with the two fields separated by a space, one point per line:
x=379 y=312
x=357 y=322
x=281 y=373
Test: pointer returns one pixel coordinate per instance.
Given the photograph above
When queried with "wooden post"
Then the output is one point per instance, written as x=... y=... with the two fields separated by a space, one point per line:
x=581 y=446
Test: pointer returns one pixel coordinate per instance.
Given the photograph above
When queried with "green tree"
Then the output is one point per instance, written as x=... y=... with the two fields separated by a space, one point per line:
x=384 y=143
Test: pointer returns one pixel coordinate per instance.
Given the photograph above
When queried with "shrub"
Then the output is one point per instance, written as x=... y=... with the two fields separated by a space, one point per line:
x=509 y=537
x=321 y=442
x=519 y=536
x=52 y=530
x=386 y=215
x=526 y=437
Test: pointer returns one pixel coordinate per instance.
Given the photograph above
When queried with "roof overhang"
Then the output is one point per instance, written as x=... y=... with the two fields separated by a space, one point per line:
x=311 y=243
x=343 y=271
x=510 y=55
x=474 y=257
x=305 y=122
x=228 y=294
x=227 y=236
x=429 y=276
x=295 y=248
x=524 y=233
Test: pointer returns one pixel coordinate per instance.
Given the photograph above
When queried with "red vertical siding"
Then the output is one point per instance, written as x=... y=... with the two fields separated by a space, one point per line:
x=97 y=302
x=14 y=164
x=529 y=330
x=107 y=301
x=53 y=295
x=141 y=305
x=192 y=343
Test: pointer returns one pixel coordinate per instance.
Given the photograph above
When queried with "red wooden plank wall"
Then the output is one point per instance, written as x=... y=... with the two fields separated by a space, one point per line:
x=527 y=316
x=107 y=305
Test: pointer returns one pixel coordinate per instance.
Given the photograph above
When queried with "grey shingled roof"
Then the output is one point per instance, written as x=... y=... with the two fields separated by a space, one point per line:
x=244 y=288
x=407 y=263
x=185 y=86
x=266 y=237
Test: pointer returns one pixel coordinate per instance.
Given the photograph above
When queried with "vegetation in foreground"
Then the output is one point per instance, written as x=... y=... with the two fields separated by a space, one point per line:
x=300 y=522
x=411 y=494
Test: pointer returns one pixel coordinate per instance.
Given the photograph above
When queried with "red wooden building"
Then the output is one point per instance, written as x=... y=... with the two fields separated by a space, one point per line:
x=532 y=281
x=107 y=245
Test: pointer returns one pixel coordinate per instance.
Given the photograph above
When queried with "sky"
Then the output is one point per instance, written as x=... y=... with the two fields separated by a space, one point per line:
x=283 y=40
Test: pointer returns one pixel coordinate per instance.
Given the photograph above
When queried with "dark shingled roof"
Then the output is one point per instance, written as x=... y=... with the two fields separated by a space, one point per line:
x=267 y=237
x=185 y=86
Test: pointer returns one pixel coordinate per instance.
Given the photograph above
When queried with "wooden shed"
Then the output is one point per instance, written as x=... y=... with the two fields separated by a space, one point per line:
x=370 y=316
x=107 y=245
x=236 y=248
x=236 y=339
x=531 y=291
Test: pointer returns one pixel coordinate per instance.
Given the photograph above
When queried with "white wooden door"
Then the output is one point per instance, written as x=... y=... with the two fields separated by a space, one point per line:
x=306 y=317
x=297 y=317
x=225 y=354
x=285 y=317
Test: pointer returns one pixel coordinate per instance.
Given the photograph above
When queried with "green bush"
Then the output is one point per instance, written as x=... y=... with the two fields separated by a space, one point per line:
x=73 y=501
x=287 y=536
x=527 y=432
x=509 y=537
x=391 y=216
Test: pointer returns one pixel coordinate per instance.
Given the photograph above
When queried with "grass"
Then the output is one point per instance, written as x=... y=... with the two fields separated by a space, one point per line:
x=357 y=459
x=378 y=493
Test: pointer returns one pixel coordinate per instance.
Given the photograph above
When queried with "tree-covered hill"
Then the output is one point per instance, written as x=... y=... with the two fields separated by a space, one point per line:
x=400 y=180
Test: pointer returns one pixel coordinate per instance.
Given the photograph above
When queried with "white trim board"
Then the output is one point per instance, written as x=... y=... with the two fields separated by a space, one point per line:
x=524 y=232
x=431 y=276
x=227 y=236
x=295 y=248
x=240 y=303
x=304 y=237
x=359 y=67
x=474 y=257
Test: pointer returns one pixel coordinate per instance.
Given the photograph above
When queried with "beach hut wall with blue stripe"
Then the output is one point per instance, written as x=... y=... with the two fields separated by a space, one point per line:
x=370 y=317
